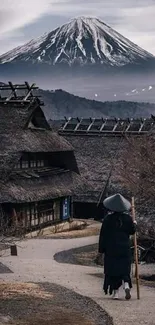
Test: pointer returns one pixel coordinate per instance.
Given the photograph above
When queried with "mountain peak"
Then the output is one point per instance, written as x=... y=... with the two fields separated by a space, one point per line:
x=86 y=19
x=83 y=22
x=83 y=40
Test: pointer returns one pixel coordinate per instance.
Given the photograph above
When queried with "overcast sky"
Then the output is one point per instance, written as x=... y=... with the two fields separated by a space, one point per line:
x=22 y=20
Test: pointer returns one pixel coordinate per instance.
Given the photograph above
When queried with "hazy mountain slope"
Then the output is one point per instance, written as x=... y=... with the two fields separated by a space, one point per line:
x=60 y=103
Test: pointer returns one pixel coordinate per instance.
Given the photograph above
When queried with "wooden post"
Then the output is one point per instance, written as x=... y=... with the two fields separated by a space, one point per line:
x=13 y=250
x=136 y=252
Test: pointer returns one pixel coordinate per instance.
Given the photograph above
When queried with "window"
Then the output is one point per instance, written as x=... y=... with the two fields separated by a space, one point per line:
x=25 y=164
x=57 y=210
x=46 y=212
x=40 y=163
x=28 y=217
x=17 y=166
x=33 y=163
x=24 y=215
x=34 y=214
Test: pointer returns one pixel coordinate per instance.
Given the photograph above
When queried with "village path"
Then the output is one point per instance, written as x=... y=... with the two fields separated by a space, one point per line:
x=35 y=263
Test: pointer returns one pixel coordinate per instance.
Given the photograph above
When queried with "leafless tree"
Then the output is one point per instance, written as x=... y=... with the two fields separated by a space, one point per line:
x=137 y=174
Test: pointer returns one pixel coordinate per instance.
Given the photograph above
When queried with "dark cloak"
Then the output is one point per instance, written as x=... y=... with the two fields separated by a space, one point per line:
x=114 y=242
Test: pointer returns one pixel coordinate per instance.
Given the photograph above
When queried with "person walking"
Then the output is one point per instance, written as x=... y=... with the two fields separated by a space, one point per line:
x=114 y=243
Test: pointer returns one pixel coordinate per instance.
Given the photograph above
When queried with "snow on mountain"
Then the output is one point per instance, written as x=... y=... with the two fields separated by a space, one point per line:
x=138 y=91
x=83 y=40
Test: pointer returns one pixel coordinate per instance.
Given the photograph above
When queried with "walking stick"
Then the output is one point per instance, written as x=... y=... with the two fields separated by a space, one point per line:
x=136 y=252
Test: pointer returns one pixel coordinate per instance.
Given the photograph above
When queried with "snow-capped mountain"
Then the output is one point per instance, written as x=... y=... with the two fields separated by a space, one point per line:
x=83 y=40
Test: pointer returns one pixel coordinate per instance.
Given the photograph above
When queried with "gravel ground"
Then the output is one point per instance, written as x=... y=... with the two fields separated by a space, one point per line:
x=35 y=263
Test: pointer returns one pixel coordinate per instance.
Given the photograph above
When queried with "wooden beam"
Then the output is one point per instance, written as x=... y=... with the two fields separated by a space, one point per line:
x=142 y=124
x=92 y=120
x=13 y=92
x=9 y=97
x=78 y=124
x=15 y=101
x=13 y=96
x=130 y=122
x=115 y=126
x=13 y=89
x=104 y=123
x=67 y=122
x=16 y=86
x=29 y=88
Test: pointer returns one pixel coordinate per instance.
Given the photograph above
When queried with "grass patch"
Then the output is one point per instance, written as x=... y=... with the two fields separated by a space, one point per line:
x=59 y=316
x=47 y=304
x=77 y=231
x=81 y=256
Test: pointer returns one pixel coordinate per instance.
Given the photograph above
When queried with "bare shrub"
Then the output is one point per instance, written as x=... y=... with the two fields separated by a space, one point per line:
x=137 y=175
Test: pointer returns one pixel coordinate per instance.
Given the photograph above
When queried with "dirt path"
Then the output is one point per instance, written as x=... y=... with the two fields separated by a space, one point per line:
x=35 y=263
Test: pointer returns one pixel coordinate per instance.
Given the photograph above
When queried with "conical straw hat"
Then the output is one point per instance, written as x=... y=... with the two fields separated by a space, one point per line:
x=117 y=203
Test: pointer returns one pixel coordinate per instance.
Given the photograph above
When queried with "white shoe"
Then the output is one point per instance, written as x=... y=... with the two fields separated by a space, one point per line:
x=115 y=295
x=127 y=291
x=127 y=294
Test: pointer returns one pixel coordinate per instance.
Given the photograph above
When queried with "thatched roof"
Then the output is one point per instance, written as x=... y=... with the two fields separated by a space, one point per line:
x=105 y=160
x=16 y=115
x=24 y=129
x=33 y=141
x=16 y=135
x=95 y=156
x=99 y=147
x=33 y=189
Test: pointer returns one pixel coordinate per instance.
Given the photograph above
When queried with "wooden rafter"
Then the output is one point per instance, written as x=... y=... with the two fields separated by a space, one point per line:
x=128 y=127
x=103 y=124
x=67 y=121
x=29 y=93
x=92 y=121
x=139 y=126
x=142 y=125
x=13 y=89
x=79 y=121
x=14 y=95
x=115 y=126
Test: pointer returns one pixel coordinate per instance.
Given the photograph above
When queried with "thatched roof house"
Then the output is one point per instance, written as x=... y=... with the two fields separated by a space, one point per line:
x=38 y=169
x=99 y=146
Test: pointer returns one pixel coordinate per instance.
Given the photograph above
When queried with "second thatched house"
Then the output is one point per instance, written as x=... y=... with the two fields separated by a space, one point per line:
x=101 y=147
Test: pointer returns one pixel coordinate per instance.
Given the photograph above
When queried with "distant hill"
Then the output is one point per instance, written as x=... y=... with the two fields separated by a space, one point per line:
x=60 y=103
